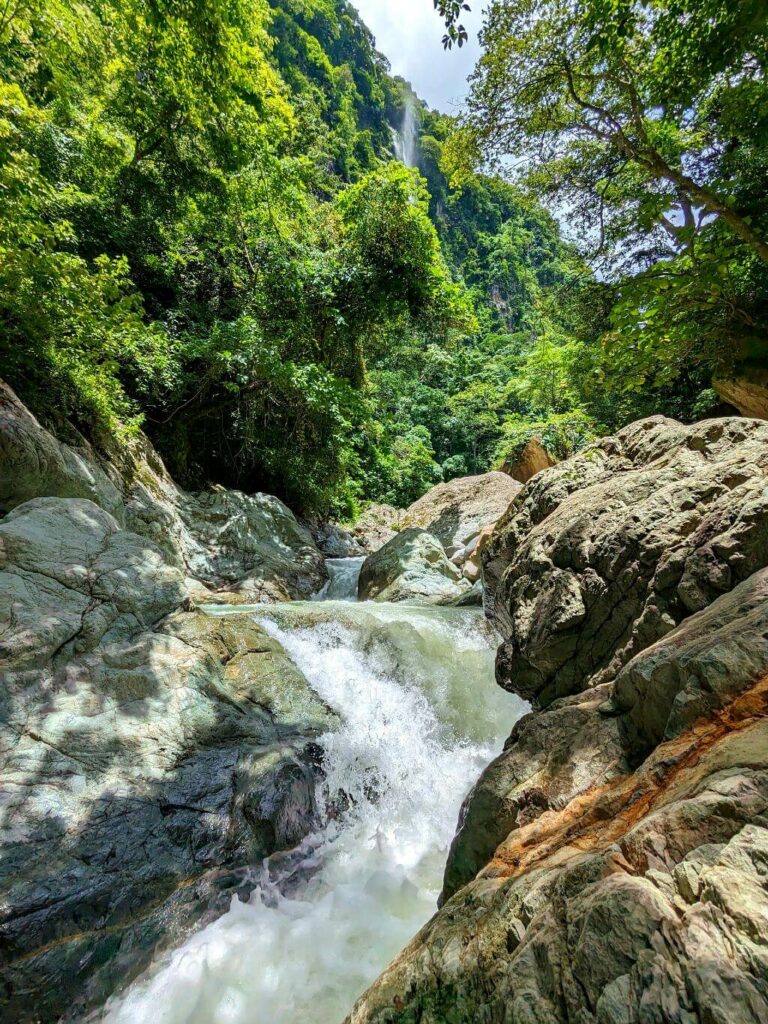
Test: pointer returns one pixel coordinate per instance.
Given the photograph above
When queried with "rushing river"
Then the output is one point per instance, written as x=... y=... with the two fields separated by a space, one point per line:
x=421 y=716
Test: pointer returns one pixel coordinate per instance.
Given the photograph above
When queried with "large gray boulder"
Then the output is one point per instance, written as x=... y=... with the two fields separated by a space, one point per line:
x=610 y=550
x=249 y=543
x=71 y=579
x=149 y=756
x=455 y=512
x=140 y=784
x=610 y=865
x=435 y=558
x=411 y=567
x=696 y=670
x=226 y=540
x=33 y=463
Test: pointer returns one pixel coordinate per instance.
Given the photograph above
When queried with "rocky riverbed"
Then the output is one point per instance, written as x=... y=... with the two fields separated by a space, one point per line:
x=150 y=754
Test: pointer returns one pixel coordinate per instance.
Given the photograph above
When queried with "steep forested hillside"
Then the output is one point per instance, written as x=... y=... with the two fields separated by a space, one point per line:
x=204 y=231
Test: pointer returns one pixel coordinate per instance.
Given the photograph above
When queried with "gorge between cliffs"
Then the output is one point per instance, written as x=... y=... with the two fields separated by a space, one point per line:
x=384 y=512
x=230 y=787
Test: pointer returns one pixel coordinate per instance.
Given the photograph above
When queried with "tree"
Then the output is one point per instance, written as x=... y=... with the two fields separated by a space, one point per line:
x=450 y=11
x=602 y=98
x=646 y=124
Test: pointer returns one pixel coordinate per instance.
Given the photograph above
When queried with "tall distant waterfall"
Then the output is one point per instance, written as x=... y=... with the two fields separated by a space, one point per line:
x=406 y=139
x=420 y=716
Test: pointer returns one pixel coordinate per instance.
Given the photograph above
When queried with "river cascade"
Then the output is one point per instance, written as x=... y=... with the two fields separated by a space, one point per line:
x=421 y=716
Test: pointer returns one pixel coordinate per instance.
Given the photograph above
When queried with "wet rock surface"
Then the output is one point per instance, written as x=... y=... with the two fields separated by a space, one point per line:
x=547 y=761
x=411 y=567
x=611 y=866
x=150 y=755
x=139 y=781
x=642 y=900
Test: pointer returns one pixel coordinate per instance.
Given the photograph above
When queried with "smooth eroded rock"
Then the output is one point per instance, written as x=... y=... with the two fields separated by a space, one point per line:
x=411 y=567
x=455 y=512
x=141 y=783
x=697 y=669
x=222 y=539
x=645 y=899
x=71 y=578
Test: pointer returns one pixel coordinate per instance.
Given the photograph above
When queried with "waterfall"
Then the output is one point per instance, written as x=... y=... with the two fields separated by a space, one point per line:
x=421 y=716
x=406 y=140
x=343 y=574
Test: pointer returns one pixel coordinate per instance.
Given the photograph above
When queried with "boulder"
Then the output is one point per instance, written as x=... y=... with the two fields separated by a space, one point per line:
x=141 y=783
x=615 y=896
x=533 y=459
x=696 y=670
x=151 y=756
x=610 y=865
x=220 y=538
x=607 y=552
x=472 y=563
x=747 y=391
x=71 y=579
x=411 y=567
x=251 y=543
x=457 y=511
x=33 y=463
x=334 y=541
x=549 y=759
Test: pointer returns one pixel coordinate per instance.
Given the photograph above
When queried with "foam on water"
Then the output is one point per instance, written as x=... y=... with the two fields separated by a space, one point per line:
x=421 y=716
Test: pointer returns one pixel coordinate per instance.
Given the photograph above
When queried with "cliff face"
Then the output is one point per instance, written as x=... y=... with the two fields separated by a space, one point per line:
x=611 y=865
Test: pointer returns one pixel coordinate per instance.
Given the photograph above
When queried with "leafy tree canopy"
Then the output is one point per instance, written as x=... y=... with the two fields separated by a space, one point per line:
x=646 y=124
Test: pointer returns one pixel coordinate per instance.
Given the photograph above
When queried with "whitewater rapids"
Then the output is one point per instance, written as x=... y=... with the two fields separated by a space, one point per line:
x=421 y=716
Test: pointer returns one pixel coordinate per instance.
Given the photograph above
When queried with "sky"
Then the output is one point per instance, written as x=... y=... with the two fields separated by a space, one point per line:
x=409 y=34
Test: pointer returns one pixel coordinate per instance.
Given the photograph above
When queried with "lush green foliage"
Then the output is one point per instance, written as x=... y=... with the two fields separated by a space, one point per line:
x=203 y=231
x=174 y=244
x=647 y=123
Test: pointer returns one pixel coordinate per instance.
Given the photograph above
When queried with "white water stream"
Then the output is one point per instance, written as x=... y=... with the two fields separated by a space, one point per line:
x=406 y=140
x=421 y=716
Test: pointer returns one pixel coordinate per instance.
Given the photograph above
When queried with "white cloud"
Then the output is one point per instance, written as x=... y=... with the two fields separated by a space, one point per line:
x=409 y=33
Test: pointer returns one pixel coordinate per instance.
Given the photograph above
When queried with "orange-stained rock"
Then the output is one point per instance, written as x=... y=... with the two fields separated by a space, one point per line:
x=533 y=459
x=748 y=392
